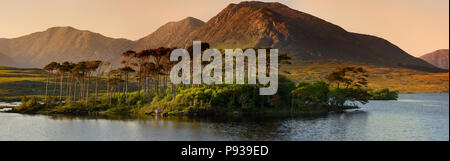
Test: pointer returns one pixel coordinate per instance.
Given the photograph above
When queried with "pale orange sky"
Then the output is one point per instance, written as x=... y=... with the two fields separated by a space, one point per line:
x=416 y=26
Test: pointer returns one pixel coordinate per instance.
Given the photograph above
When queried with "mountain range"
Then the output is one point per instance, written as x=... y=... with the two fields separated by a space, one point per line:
x=247 y=24
x=437 y=58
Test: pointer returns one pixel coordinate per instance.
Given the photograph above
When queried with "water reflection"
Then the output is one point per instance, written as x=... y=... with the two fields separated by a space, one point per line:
x=425 y=119
x=239 y=128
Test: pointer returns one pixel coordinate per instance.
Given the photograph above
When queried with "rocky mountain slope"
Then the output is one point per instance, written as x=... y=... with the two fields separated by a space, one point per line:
x=438 y=58
x=301 y=35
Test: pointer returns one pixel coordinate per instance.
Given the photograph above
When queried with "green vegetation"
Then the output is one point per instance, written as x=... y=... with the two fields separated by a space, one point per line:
x=304 y=99
x=29 y=105
x=349 y=84
x=141 y=86
x=383 y=94
x=221 y=99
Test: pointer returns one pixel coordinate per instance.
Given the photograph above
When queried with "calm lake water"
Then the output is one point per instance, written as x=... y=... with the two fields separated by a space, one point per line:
x=413 y=117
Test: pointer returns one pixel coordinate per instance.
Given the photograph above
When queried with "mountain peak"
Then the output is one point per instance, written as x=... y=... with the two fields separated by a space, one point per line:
x=67 y=29
x=187 y=22
x=258 y=4
x=442 y=51
x=192 y=19
x=274 y=7
x=61 y=28
x=171 y=34
x=438 y=58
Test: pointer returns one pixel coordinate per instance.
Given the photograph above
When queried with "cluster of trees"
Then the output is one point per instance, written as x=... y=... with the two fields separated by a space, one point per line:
x=74 y=80
x=342 y=89
x=149 y=71
x=345 y=85
x=221 y=98
x=383 y=94
x=150 y=68
x=69 y=82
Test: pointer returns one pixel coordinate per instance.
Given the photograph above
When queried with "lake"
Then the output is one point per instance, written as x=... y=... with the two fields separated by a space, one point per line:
x=415 y=117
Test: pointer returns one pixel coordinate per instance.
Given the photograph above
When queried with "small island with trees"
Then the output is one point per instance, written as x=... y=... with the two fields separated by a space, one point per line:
x=141 y=86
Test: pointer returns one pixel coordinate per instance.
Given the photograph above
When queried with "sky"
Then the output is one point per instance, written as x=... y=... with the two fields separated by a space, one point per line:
x=416 y=26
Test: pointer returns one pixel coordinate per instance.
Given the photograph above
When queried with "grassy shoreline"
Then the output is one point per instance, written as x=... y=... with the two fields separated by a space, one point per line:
x=18 y=98
x=235 y=112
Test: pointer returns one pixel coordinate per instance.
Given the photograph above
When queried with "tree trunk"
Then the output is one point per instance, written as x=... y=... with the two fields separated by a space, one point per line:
x=108 y=88
x=87 y=88
x=54 y=85
x=149 y=86
x=61 y=87
x=157 y=85
x=96 y=89
x=82 y=88
x=165 y=83
x=119 y=88
x=145 y=87
x=46 y=88
x=75 y=91
x=139 y=84
x=67 y=86
x=126 y=86
x=110 y=95
x=70 y=86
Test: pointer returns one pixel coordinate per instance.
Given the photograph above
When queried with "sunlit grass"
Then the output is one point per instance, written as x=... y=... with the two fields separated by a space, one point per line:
x=400 y=79
x=19 y=79
x=15 y=82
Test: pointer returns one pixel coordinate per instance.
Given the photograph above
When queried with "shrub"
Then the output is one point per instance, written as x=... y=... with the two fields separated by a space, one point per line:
x=383 y=94
x=29 y=105
x=340 y=96
x=306 y=94
x=223 y=97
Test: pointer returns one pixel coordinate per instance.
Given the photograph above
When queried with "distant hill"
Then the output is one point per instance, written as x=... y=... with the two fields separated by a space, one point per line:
x=438 y=58
x=6 y=61
x=171 y=34
x=62 y=44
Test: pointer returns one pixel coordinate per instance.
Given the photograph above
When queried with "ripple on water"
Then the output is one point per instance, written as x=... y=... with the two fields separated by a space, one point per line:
x=414 y=117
